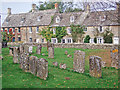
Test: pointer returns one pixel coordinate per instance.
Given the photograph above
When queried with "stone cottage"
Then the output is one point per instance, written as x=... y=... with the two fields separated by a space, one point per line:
x=26 y=26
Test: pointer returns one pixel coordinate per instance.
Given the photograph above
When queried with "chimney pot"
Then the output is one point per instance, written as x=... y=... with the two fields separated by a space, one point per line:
x=33 y=7
x=9 y=11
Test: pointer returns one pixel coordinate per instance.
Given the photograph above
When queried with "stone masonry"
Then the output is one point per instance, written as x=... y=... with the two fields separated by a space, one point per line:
x=79 y=61
x=39 y=48
x=95 y=66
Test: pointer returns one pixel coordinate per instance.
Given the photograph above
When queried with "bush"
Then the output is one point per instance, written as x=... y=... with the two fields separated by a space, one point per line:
x=87 y=39
x=95 y=40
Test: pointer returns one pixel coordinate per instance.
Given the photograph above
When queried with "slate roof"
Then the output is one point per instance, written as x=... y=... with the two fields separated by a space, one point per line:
x=29 y=19
x=94 y=18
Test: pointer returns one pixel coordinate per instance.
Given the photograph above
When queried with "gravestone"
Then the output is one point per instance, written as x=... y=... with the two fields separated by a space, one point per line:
x=50 y=50
x=26 y=49
x=42 y=68
x=79 y=61
x=11 y=50
x=55 y=64
x=15 y=55
x=62 y=66
x=114 y=58
x=66 y=52
x=33 y=64
x=30 y=49
x=95 y=66
x=39 y=47
x=21 y=48
x=25 y=62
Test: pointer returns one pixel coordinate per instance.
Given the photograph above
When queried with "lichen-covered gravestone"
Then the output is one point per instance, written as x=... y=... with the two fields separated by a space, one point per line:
x=15 y=55
x=33 y=64
x=114 y=58
x=50 y=50
x=39 y=48
x=26 y=49
x=11 y=50
x=42 y=68
x=25 y=62
x=95 y=66
x=79 y=61
x=21 y=48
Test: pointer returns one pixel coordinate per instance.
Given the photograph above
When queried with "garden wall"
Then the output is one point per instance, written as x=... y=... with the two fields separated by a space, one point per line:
x=74 y=45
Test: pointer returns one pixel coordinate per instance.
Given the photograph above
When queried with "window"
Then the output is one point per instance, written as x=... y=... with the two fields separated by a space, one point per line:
x=19 y=39
x=85 y=29
x=37 y=29
x=54 y=40
x=69 y=40
x=42 y=40
x=72 y=19
x=100 y=28
x=18 y=30
x=39 y=18
x=13 y=39
x=13 y=30
x=54 y=31
x=69 y=30
x=100 y=40
x=30 y=29
x=57 y=19
x=63 y=40
x=30 y=39
x=3 y=29
x=8 y=30
x=22 y=19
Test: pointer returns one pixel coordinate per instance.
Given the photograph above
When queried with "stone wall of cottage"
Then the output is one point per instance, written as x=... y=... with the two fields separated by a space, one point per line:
x=72 y=45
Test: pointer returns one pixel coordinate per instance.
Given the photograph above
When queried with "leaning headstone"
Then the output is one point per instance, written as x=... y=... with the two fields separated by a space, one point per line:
x=114 y=58
x=95 y=66
x=30 y=49
x=33 y=64
x=11 y=50
x=50 y=50
x=42 y=68
x=62 y=66
x=79 y=61
x=15 y=55
x=25 y=62
x=39 y=47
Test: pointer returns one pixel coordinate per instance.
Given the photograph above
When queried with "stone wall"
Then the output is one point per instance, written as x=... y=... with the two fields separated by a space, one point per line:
x=73 y=45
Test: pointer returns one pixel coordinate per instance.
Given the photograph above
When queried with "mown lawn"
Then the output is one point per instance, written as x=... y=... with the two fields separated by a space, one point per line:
x=14 y=77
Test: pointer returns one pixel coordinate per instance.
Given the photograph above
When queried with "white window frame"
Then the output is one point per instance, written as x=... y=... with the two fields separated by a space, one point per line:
x=52 y=40
x=72 y=18
x=114 y=39
x=100 y=28
x=37 y=29
x=69 y=30
x=57 y=19
x=91 y=40
x=98 y=40
x=62 y=40
x=30 y=29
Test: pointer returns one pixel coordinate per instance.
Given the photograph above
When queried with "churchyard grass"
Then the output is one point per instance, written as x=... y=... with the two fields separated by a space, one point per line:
x=14 y=77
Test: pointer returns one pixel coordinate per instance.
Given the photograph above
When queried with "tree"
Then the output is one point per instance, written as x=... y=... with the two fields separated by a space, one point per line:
x=107 y=36
x=77 y=33
x=87 y=38
x=60 y=33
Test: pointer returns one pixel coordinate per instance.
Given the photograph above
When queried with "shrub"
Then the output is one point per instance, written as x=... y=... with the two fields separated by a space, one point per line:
x=95 y=40
x=87 y=38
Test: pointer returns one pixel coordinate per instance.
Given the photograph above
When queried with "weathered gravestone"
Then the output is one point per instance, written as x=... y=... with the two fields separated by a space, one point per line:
x=50 y=50
x=26 y=49
x=33 y=64
x=11 y=50
x=95 y=66
x=79 y=61
x=21 y=48
x=15 y=54
x=62 y=66
x=30 y=49
x=24 y=64
x=66 y=52
x=114 y=58
x=55 y=64
x=42 y=68
x=39 y=48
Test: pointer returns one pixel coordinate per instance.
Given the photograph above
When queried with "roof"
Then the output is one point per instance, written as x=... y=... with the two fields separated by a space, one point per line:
x=103 y=18
x=29 y=19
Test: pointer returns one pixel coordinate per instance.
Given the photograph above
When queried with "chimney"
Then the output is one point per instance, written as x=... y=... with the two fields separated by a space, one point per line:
x=9 y=11
x=33 y=7
x=87 y=8
x=56 y=7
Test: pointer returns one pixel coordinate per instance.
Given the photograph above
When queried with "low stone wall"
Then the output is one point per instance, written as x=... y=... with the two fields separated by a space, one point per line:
x=73 y=45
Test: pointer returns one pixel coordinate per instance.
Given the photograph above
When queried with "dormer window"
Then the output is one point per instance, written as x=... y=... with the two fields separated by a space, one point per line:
x=103 y=18
x=39 y=18
x=100 y=29
x=72 y=19
x=57 y=19
x=22 y=19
